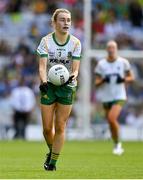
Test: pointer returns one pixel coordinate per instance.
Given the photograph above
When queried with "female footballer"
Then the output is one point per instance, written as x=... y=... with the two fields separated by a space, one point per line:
x=112 y=73
x=58 y=47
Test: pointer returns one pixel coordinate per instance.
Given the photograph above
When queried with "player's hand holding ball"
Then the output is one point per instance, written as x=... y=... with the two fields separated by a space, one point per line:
x=44 y=87
x=72 y=77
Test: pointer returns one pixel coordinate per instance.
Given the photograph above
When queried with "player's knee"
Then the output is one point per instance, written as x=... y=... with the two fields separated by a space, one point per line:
x=111 y=118
x=47 y=131
x=60 y=130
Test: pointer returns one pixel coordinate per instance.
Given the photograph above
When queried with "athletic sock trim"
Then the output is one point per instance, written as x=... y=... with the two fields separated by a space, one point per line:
x=54 y=158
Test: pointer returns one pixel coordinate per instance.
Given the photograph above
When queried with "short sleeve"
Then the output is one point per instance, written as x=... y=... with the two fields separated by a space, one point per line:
x=42 y=50
x=98 y=69
x=127 y=65
x=77 y=51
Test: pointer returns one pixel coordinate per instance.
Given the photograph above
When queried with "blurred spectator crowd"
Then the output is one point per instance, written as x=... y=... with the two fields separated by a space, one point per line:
x=24 y=22
x=121 y=20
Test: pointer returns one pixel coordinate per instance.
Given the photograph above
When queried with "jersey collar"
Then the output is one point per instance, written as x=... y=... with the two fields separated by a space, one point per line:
x=112 y=61
x=54 y=38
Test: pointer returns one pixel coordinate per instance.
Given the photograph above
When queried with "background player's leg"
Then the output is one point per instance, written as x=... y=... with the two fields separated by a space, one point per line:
x=47 y=112
x=62 y=115
x=112 y=117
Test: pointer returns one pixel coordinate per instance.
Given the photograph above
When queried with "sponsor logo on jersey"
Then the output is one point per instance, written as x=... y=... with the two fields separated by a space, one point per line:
x=55 y=60
x=61 y=49
x=51 y=53
x=69 y=54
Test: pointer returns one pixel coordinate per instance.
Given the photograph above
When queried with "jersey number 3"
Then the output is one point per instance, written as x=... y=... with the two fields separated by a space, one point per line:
x=59 y=53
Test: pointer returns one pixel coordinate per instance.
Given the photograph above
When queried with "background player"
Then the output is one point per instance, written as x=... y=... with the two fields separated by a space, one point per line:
x=56 y=102
x=111 y=75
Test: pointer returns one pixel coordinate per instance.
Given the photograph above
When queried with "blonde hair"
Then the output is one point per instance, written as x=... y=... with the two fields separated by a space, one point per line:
x=57 y=12
x=112 y=42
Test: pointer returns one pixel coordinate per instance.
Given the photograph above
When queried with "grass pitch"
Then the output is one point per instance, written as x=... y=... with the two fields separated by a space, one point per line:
x=79 y=159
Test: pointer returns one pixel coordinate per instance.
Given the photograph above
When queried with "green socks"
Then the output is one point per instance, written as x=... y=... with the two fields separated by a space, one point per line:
x=54 y=158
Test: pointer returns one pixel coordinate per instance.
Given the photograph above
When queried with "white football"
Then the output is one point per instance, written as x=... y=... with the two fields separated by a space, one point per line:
x=58 y=74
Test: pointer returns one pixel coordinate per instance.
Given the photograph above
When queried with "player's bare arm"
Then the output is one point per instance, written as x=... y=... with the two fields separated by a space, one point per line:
x=43 y=69
x=98 y=80
x=75 y=68
x=129 y=77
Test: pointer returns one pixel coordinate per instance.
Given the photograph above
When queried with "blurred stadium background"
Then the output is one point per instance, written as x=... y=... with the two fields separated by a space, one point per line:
x=24 y=22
